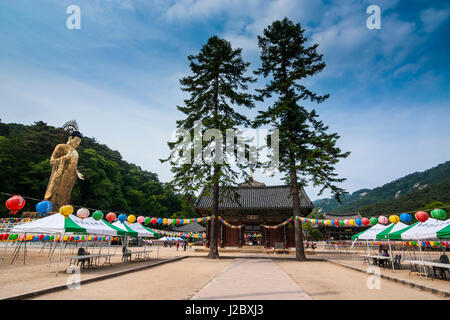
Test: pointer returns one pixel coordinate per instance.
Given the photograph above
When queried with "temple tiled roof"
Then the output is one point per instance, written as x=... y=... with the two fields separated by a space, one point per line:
x=332 y=216
x=191 y=227
x=256 y=197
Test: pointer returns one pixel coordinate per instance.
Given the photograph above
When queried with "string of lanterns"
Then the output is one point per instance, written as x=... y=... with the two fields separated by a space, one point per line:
x=17 y=202
x=279 y=225
x=252 y=235
x=430 y=244
x=219 y=218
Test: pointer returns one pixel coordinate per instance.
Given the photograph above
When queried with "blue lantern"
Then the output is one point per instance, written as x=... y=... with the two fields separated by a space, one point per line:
x=44 y=207
x=405 y=218
x=122 y=217
x=159 y=221
x=358 y=221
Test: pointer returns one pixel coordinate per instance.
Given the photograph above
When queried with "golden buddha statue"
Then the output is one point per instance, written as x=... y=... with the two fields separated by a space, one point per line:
x=64 y=163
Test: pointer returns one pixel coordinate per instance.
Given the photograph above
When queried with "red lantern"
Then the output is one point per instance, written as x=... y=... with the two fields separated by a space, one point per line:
x=111 y=217
x=178 y=221
x=421 y=216
x=41 y=237
x=336 y=223
x=365 y=221
x=153 y=220
x=15 y=203
x=71 y=238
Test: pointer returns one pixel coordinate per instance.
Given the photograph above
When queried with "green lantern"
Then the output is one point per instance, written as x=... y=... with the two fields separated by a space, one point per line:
x=341 y=222
x=147 y=220
x=439 y=214
x=174 y=222
x=373 y=221
x=97 y=215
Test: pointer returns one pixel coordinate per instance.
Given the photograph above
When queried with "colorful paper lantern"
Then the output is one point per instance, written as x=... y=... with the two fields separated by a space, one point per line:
x=147 y=220
x=66 y=210
x=15 y=203
x=122 y=217
x=405 y=218
x=394 y=219
x=439 y=214
x=358 y=221
x=83 y=213
x=131 y=219
x=346 y=222
x=141 y=219
x=373 y=221
x=111 y=217
x=97 y=215
x=382 y=220
x=421 y=216
x=44 y=207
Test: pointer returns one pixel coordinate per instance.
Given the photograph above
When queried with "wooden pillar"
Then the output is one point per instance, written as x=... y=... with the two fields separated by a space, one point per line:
x=221 y=235
x=208 y=234
x=284 y=237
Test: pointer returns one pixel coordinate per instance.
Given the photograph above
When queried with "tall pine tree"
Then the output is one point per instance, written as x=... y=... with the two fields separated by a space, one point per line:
x=307 y=152
x=218 y=83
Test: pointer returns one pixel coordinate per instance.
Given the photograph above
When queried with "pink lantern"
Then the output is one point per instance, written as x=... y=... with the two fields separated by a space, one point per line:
x=141 y=219
x=382 y=220
x=83 y=213
x=346 y=222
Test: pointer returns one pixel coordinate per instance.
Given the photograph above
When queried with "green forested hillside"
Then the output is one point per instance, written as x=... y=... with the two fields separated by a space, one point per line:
x=110 y=182
x=427 y=186
x=411 y=201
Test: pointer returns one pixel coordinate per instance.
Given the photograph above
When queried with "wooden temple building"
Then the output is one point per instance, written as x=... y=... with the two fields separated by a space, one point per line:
x=253 y=204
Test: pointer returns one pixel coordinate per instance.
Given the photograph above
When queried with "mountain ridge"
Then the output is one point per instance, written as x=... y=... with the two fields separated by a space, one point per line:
x=391 y=191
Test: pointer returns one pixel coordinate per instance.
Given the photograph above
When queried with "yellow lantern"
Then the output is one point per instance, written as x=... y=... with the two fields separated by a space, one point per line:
x=66 y=238
x=165 y=221
x=394 y=219
x=352 y=222
x=131 y=219
x=66 y=210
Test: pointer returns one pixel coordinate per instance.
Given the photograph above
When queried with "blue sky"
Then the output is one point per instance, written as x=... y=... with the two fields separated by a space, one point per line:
x=118 y=76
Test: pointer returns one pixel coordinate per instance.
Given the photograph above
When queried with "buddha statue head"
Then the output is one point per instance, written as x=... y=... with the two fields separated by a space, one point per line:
x=74 y=139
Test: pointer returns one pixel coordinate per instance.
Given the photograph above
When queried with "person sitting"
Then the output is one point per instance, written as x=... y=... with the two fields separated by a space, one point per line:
x=126 y=254
x=82 y=252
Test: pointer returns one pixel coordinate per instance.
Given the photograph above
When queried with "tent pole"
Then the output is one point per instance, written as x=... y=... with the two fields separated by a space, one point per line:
x=390 y=253
x=157 y=254
x=60 y=251
x=421 y=258
x=4 y=253
x=24 y=252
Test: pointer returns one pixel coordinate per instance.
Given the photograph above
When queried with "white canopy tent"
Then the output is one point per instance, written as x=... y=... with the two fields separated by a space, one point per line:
x=139 y=228
x=425 y=230
x=371 y=233
x=58 y=224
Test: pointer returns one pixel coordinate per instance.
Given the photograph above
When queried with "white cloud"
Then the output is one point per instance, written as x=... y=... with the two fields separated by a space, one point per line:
x=433 y=18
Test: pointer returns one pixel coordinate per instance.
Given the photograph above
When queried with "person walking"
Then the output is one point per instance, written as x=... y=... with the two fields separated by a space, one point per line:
x=177 y=244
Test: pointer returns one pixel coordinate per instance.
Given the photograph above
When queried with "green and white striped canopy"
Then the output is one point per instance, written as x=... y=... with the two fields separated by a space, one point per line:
x=371 y=233
x=58 y=224
x=386 y=233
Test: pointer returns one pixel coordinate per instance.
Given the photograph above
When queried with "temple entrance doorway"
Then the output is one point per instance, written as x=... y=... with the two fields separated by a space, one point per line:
x=252 y=235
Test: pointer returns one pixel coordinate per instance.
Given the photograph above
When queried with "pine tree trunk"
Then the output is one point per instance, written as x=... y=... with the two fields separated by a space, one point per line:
x=299 y=248
x=213 y=248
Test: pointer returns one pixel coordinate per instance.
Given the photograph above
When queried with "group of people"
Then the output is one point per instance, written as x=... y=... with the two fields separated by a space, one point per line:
x=178 y=243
